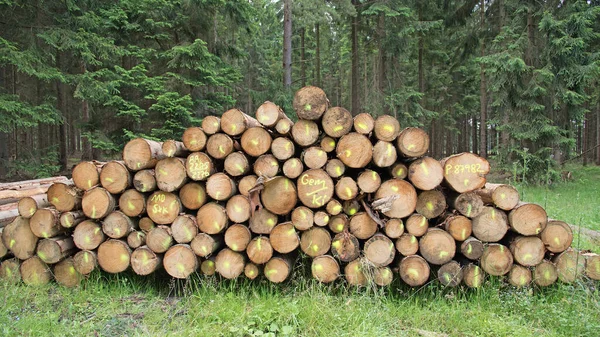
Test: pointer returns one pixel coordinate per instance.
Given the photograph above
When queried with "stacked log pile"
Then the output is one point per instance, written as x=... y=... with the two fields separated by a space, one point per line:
x=245 y=195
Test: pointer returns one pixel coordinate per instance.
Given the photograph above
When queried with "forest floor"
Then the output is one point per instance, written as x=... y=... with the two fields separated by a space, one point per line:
x=129 y=305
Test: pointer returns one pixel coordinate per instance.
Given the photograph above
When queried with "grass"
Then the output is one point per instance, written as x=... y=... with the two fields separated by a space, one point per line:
x=129 y=305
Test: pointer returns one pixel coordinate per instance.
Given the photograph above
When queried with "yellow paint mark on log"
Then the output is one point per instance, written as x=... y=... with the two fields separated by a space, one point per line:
x=411 y=146
x=395 y=188
x=71 y=270
x=172 y=204
x=97 y=231
x=270 y=272
x=271 y=222
x=233 y=127
x=317 y=267
x=362 y=126
x=469 y=209
x=413 y=239
x=352 y=211
x=340 y=227
x=87 y=239
x=338 y=128
x=374 y=175
x=412 y=272
x=222 y=150
x=463 y=233
x=163 y=172
x=332 y=143
x=400 y=172
x=259 y=244
x=466 y=182
x=130 y=205
x=291 y=232
x=109 y=179
x=42 y=256
x=336 y=244
x=315 y=248
x=307 y=130
x=139 y=165
x=307 y=107
x=443 y=254
x=93 y=211
x=226 y=264
x=240 y=168
x=234 y=247
x=522 y=280
x=124 y=257
x=423 y=222
x=216 y=225
x=12 y=243
x=251 y=272
x=237 y=208
x=180 y=267
x=55 y=200
x=502 y=196
x=424 y=168
x=338 y=171
x=348 y=192
x=86 y=257
x=274 y=163
x=527 y=257
x=388 y=128
x=118 y=230
x=89 y=183
x=348 y=153
x=429 y=206
x=557 y=240
x=337 y=208
x=469 y=248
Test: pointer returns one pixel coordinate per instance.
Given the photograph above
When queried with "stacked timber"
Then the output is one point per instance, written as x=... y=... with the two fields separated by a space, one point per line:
x=245 y=195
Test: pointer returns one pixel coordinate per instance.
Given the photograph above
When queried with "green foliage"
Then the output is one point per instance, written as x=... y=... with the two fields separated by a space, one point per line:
x=175 y=115
x=37 y=164
x=14 y=113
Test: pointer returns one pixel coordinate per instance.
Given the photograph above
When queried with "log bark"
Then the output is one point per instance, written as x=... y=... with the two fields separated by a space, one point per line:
x=592 y=265
x=193 y=195
x=171 y=174
x=414 y=270
x=115 y=177
x=412 y=142
x=473 y=276
x=18 y=237
x=32 y=184
x=180 y=261
x=88 y=235
x=194 y=139
x=12 y=196
x=114 y=256
x=337 y=122
x=184 y=228
x=504 y=197
x=55 y=249
x=354 y=150
x=145 y=181
x=315 y=241
x=172 y=148
x=570 y=265
x=450 y=274
x=71 y=219
x=465 y=172
x=496 y=259
x=325 y=269
x=132 y=203
x=310 y=103
x=490 y=225
x=27 y=206
x=144 y=261
x=234 y=122
x=64 y=197
x=431 y=204
x=204 y=245
x=85 y=261
x=528 y=219
x=468 y=204
x=140 y=154
x=97 y=203
x=472 y=248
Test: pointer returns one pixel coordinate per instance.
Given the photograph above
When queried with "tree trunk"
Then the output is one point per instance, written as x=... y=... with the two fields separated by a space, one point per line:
x=482 y=93
x=287 y=44
x=61 y=106
x=302 y=57
x=318 y=54
x=355 y=62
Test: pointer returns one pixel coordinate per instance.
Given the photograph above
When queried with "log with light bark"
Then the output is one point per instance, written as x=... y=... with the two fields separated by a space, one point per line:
x=382 y=276
x=468 y=204
x=184 y=228
x=528 y=219
x=346 y=189
x=194 y=139
x=305 y=133
x=115 y=177
x=334 y=207
x=234 y=122
x=85 y=261
x=146 y=224
x=283 y=148
x=117 y=225
x=302 y=218
x=19 y=239
x=163 y=207
x=414 y=270
x=269 y=113
x=473 y=275
x=114 y=256
x=140 y=153
x=45 y=223
x=3 y=249
x=88 y=235
x=465 y=172
x=315 y=241
x=368 y=181
x=284 y=126
x=399 y=171
x=55 y=249
x=335 y=168
x=425 y=173
x=570 y=265
x=412 y=142
x=144 y=261
x=504 y=197
x=145 y=181
x=219 y=146
x=354 y=150
x=180 y=261
x=31 y=184
x=325 y=269
x=545 y=274
x=259 y=250
x=528 y=251
x=159 y=239
x=557 y=236
x=208 y=267
x=97 y=203
x=338 y=223
x=450 y=274
x=65 y=273
x=310 y=102
x=173 y=148
x=437 y=246
x=284 y=239
x=402 y=193
x=237 y=237
x=379 y=250
x=205 y=245
x=519 y=276
x=337 y=122
x=136 y=239
x=35 y=272
x=279 y=195
x=171 y=174
x=64 y=197
x=132 y=203
x=10 y=270
x=496 y=259
x=29 y=205
x=321 y=218
x=387 y=128
x=345 y=247
x=293 y=168
x=592 y=265
x=229 y=264
x=394 y=228
x=490 y=225
x=460 y=227
x=431 y=204
x=364 y=123
x=71 y=219
x=251 y=271
x=9 y=215
x=328 y=144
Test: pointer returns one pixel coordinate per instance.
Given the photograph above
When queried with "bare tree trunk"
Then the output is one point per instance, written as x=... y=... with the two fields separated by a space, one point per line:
x=483 y=93
x=302 y=56
x=318 y=54
x=287 y=44
x=381 y=78
x=598 y=134
x=421 y=51
x=355 y=63
x=4 y=136
x=61 y=106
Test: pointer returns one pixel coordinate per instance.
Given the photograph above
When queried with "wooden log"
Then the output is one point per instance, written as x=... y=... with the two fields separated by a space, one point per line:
x=337 y=122
x=9 y=215
x=472 y=248
x=325 y=269
x=310 y=102
x=321 y=218
x=238 y=208
x=184 y=228
x=405 y=197
x=211 y=125
x=229 y=264
x=141 y=153
x=314 y=157
x=305 y=133
x=414 y=270
x=55 y=249
x=383 y=276
x=387 y=128
x=171 y=174
x=259 y=250
x=465 y=172
x=399 y=171
x=450 y=274
x=557 y=236
x=425 y=173
x=85 y=261
x=354 y=273
x=115 y=177
x=302 y=218
x=263 y=221
x=64 y=197
x=146 y=224
x=346 y=189
x=284 y=126
x=266 y=166
x=29 y=205
x=234 y=122
x=504 y=197
x=10 y=270
x=351 y=207
x=65 y=273
x=212 y=218
x=545 y=274
x=172 y=148
x=194 y=139
x=117 y=225
x=145 y=181
x=528 y=219
x=208 y=267
x=315 y=241
x=163 y=207
x=468 y=204
x=269 y=113
x=490 y=225
x=192 y=195
x=97 y=203
x=519 y=276
x=18 y=237
x=144 y=261
x=527 y=251
x=362 y=226
x=364 y=123
x=26 y=205
x=180 y=261
x=407 y=244
x=236 y=164
x=246 y=184
x=592 y=265
x=354 y=150
x=284 y=238
x=256 y=141
x=220 y=186
x=136 y=239
x=159 y=239
x=338 y=223
x=88 y=235
x=394 y=228
x=384 y=154
x=219 y=146
x=114 y=256
x=31 y=184
x=13 y=195
x=283 y=148
x=237 y=237
x=199 y=166
x=496 y=259
x=379 y=250
x=334 y=207
x=345 y=247
x=44 y=223
x=417 y=225
x=460 y=227
x=335 y=168
x=368 y=181
x=315 y=188
x=35 y=272
x=132 y=203
x=570 y=265
x=204 y=245
x=251 y=271
x=473 y=276
x=71 y=219
x=431 y=204
x=412 y=142
x=3 y=249
x=293 y=168
x=437 y=246
x=278 y=268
